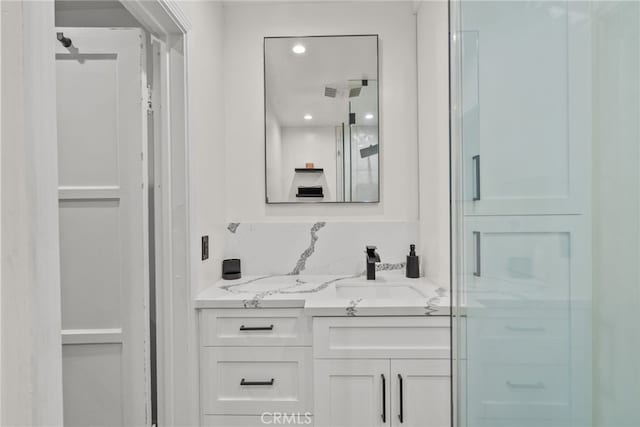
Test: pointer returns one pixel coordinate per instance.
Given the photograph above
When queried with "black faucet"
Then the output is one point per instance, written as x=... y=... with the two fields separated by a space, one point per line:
x=372 y=258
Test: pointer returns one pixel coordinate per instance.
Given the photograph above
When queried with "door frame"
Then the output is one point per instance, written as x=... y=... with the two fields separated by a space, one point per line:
x=176 y=334
x=176 y=319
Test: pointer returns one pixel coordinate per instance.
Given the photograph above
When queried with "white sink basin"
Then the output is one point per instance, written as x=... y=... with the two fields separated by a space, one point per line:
x=376 y=291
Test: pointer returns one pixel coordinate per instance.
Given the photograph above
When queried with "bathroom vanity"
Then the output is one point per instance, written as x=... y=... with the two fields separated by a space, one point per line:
x=326 y=351
x=330 y=350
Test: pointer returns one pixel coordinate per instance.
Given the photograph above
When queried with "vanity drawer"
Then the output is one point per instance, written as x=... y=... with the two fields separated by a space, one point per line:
x=521 y=327
x=519 y=339
x=382 y=337
x=254 y=327
x=241 y=381
x=558 y=310
x=523 y=391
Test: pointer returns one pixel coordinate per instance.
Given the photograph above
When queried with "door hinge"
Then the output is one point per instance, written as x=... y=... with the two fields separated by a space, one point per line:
x=149 y=98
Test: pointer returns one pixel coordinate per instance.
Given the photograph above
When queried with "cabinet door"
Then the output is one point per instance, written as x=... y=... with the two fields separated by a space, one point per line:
x=524 y=105
x=421 y=393
x=352 y=393
x=527 y=290
x=526 y=258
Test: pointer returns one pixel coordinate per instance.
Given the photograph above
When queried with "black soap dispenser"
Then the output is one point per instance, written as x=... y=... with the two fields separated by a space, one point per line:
x=413 y=263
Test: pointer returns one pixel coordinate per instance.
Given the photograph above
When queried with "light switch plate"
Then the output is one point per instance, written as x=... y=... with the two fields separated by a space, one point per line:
x=205 y=247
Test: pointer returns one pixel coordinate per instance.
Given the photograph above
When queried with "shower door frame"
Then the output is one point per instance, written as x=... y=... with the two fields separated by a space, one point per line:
x=456 y=209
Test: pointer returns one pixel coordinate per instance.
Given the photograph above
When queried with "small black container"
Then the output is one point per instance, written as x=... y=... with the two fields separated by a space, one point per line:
x=413 y=263
x=231 y=269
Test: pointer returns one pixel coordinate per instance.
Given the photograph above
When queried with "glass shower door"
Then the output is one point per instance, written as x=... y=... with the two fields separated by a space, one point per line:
x=545 y=113
x=363 y=142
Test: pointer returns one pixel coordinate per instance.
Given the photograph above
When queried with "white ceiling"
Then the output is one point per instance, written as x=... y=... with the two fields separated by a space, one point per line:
x=295 y=83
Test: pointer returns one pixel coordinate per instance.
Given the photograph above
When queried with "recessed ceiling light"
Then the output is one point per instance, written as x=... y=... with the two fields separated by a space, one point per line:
x=299 y=49
x=368 y=116
x=308 y=117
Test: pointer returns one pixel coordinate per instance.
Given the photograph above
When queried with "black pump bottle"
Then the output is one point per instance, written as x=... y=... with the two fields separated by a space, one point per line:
x=413 y=263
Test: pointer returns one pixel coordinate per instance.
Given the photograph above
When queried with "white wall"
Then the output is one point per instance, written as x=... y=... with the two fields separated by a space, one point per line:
x=31 y=389
x=433 y=125
x=206 y=132
x=245 y=25
x=316 y=144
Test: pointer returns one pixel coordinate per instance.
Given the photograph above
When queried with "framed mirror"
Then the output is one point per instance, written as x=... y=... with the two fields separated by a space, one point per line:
x=321 y=119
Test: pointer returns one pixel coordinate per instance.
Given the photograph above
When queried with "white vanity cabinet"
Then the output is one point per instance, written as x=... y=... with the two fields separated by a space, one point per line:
x=382 y=392
x=323 y=371
x=254 y=363
x=382 y=371
x=425 y=400
x=352 y=393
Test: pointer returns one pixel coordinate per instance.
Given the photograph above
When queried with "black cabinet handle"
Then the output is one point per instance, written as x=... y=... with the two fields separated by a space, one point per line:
x=243 y=382
x=256 y=328
x=401 y=414
x=477 y=268
x=476 y=178
x=384 y=398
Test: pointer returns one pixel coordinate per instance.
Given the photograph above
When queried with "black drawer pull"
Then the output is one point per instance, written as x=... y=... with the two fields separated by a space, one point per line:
x=243 y=382
x=256 y=328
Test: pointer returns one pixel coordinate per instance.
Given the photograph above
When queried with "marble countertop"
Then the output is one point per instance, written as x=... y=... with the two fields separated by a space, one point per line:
x=320 y=295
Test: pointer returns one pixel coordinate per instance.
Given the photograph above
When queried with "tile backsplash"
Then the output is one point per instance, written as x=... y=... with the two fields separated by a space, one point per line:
x=317 y=247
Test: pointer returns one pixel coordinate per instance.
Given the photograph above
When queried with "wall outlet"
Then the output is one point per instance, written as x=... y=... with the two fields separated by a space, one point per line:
x=205 y=247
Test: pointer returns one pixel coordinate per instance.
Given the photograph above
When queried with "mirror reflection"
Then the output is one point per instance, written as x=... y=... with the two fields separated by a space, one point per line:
x=321 y=119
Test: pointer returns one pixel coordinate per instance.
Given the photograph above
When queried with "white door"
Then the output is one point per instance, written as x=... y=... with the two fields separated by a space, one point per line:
x=421 y=393
x=103 y=227
x=352 y=393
